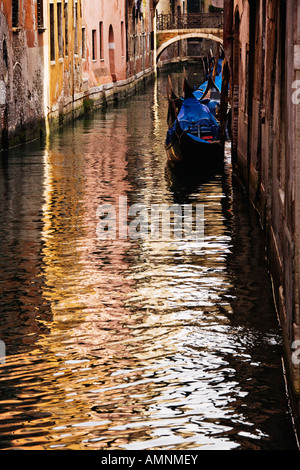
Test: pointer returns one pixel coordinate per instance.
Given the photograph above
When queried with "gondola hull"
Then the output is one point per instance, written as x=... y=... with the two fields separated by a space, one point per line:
x=185 y=150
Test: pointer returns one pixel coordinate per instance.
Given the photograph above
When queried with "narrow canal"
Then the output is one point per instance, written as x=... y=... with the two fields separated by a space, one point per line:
x=132 y=344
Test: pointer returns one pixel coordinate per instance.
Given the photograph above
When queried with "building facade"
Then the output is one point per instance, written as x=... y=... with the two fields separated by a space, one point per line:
x=60 y=58
x=195 y=6
x=104 y=45
x=119 y=40
x=22 y=104
x=140 y=36
x=262 y=44
x=175 y=14
x=118 y=48
x=177 y=10
x=64 y=61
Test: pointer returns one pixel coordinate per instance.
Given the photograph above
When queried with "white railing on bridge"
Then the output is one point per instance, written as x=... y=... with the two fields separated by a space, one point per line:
x=189 y=21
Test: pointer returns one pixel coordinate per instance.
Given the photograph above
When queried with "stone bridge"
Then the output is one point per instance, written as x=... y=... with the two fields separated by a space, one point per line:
x=172 y=28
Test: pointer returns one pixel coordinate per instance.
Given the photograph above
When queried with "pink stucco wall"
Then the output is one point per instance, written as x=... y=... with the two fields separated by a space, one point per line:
x=99 y=70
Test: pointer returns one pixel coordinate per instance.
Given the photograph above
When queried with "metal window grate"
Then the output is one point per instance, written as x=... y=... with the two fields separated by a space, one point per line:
x=40 y=14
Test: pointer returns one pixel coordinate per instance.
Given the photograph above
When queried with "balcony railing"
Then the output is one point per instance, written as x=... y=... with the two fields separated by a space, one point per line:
x=189 y=21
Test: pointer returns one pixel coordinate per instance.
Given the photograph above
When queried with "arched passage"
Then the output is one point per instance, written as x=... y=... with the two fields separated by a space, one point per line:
x=111 y=46
x=181 y=37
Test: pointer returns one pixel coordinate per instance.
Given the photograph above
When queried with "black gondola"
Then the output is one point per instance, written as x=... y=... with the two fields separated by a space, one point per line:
x=193 y=139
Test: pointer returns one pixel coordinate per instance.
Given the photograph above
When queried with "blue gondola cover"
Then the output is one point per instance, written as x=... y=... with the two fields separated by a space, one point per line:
x=194 y=114
x=196 y=119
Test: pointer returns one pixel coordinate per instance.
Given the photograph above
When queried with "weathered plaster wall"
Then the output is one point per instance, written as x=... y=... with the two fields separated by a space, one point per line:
x=21 y=74
x=140 y=26
x=48 y=75
x=65 y=66
x=264 y=38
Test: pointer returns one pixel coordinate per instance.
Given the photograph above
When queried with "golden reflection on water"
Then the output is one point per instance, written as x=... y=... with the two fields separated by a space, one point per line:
x=142 y=345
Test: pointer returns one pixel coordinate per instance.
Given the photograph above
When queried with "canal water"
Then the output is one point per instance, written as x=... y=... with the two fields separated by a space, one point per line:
x=132 y=344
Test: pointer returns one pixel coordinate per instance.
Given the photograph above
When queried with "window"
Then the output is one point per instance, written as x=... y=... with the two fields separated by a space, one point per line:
x=66 y=15
x=247 y=81
x=122 y=37
x=94 y=44
x=52 y=33
x=15 y=13
x=76 y=28
x=83 y=43
x=193 y=6
x=111 y=45
x=60 y=31
x=152 y=40
x=40 y=14
x=101 y=40
x=5 y=62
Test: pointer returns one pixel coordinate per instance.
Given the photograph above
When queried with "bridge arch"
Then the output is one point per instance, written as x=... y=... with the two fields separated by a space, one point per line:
x=180 y=37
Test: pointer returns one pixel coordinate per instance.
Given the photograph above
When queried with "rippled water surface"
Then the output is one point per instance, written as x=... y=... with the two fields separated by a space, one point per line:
x=132 y=344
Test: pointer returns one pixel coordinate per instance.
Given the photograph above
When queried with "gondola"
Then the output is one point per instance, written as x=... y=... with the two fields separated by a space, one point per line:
x=174 y=104
x=209 y=93
x=193 y=139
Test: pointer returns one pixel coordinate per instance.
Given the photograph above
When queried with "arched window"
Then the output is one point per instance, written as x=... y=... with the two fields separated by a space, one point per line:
x=111 y=46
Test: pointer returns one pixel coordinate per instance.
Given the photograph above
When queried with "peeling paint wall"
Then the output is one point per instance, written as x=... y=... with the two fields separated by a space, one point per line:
x=64 y=20
x=21 y=74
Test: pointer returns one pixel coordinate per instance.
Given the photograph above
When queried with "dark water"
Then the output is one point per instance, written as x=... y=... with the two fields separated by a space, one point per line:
x=132 y=344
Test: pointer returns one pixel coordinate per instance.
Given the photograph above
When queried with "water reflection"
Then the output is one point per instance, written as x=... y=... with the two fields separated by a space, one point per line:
x=132 y=344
